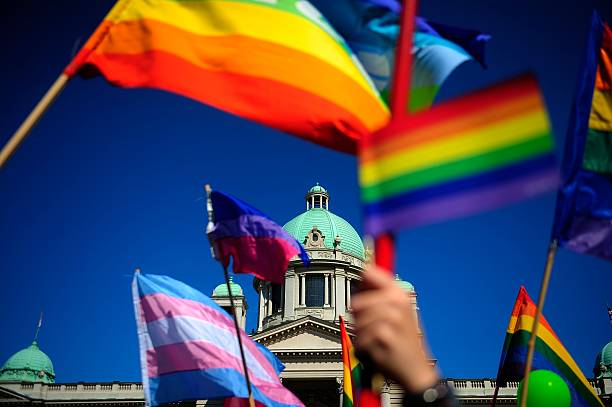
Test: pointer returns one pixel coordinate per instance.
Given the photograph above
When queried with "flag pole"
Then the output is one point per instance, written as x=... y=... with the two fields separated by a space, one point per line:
x=550 y=259
x=28 y=124
x=40 y=319
x=384 y=244
x=211 y=218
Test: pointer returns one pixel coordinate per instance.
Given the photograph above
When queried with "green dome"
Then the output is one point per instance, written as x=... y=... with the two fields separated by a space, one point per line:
x=404 y=285
x=603 y=363
x=28 y=365
x=331 y=226
x=221 y=289
x=317 y=188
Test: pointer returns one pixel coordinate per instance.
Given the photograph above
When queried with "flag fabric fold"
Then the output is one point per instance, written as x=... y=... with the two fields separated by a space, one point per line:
x=351 y=368
x=583 y=217
x=473 y=153
x=371 y=29
x=256 y=244
x=550 y=354
x=279 y=63
x=189 y=349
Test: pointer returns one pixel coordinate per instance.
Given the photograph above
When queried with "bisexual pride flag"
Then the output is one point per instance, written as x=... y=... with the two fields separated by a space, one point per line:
x=256 y=244
x=583 y=219
x=189 y=349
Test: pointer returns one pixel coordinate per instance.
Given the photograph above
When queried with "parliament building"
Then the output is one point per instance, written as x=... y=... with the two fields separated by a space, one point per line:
x=298 y=321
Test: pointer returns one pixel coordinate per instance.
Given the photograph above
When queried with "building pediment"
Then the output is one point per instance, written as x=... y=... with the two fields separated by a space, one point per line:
x=8 y=395
x=307 y=334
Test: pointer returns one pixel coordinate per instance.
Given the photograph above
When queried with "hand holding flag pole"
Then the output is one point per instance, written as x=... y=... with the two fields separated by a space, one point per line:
x=209 y=227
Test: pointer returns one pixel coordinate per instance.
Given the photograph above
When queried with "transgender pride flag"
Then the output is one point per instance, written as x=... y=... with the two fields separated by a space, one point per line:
x=189 y=349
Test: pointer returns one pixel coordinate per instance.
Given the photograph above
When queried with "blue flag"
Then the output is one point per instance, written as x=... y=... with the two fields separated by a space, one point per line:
x=371 y=29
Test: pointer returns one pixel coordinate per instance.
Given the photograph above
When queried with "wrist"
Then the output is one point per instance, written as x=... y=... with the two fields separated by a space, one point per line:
x=417 y=381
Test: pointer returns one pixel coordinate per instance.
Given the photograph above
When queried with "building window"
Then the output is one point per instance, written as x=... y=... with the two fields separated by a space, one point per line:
x=277 y=296
x=317 y=201
x=228 y=309
x=315 y=290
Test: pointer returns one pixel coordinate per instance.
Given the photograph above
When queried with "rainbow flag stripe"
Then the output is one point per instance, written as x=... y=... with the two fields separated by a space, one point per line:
x=474 y=153
x=583 y=218
x=550 y=354
x=351 y=369
x=278 y=63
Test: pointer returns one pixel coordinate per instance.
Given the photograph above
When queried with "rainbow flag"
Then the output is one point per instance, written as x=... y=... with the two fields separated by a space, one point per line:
x=276 y=62
x=474 y=153
x=351 y=370
x=550 y=354
x=189 y=349
x=583 y=219
x=371 y=29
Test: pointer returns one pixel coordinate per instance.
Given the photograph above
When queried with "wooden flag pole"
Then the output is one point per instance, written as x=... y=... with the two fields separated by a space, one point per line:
x=211 y=217
x=550 y=259
x=33 y=118
x=244 y=363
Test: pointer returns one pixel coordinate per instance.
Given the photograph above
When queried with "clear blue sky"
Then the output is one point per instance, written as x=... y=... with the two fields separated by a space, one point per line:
x=111 y=179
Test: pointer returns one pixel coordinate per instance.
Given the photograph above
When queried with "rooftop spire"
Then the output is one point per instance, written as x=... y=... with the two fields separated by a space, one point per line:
x=38 y=326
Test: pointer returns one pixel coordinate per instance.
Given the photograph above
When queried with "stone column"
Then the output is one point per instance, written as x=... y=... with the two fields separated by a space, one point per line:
x=270 y=307
x=332 y=300
x=339 y=285
x=326 y=288
x=340 y=382
x=290 y=296
x=260 y=313
x=348 y=292
x=302 y=290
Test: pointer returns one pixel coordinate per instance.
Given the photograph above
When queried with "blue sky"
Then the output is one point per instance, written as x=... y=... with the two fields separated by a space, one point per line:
x=111 y=179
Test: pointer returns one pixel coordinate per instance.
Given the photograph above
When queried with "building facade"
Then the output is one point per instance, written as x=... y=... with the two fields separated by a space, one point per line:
x=298 y=321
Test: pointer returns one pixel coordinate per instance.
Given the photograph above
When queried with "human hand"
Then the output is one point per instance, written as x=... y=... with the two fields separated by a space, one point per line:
x=386 y=330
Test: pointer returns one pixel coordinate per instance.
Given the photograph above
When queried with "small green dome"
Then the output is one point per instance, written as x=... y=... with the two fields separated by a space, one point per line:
x=404 y=285
x=317 y=188
x=221 y=289
x=603 y=362
x=28 y=365
x=330 y=225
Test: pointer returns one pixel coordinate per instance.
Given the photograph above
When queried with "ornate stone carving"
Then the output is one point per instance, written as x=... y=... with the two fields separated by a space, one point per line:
x=314 y=239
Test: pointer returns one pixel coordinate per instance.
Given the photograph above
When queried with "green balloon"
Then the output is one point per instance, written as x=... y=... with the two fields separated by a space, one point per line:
x=546 y=389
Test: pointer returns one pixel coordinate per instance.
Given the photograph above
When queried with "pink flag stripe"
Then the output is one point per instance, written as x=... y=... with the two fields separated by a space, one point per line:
x=178 y=330
x=171 y=359
x=158 y=306
x=162 y=306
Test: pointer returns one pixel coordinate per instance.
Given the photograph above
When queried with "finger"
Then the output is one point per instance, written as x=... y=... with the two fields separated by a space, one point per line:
x=384 y=315
x=368 y=299
x=376 y=277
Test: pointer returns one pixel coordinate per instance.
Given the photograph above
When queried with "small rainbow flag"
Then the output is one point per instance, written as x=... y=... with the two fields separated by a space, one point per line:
x=279 y=63
x=351 y=368
x=550 y=354
x=466 y=155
